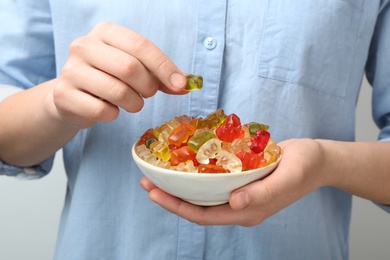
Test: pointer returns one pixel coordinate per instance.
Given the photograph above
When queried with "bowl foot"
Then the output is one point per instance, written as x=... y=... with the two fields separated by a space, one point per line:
x=207 y=203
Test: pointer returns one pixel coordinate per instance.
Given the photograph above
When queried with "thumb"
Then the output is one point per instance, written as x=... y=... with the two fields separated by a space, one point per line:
x=239 y=199
x=259 y=193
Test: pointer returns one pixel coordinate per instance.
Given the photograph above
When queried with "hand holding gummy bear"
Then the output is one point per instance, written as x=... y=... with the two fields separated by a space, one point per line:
x=113 y=67
x=108 y=69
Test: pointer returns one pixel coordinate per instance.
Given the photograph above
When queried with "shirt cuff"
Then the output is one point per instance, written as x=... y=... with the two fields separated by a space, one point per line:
x=382 y=206
x=27 y=173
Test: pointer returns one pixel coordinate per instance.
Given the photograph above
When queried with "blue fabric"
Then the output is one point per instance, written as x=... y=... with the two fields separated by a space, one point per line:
x=294 y=66
x=29 y=173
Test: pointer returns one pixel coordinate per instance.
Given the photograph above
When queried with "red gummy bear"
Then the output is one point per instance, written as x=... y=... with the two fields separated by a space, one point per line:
x=260 y=141
x=230 y=129
x=251 y=160
x=147 y=135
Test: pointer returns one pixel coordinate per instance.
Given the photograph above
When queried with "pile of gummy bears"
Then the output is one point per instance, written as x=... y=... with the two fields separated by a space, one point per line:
x=218 y=143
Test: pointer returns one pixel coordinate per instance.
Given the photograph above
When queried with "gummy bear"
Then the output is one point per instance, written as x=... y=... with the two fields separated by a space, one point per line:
x=184 y=118
x=185 y=167
x=160 y=163
x=253 y=127
x=194 y=82
x=149 y=141
x=196 y=122
x=208 y=150
x=270 y=157
x=213 y=120
x=251 y=160
x=271 y=152
x=199 y=138
x=247 y=134
x=145 y=154
x=161 y=150
x=229 y=161
x=239 y=145
x=230 y=129
x=211 y=168
x=148 y=134
x=259 y=141
x=182 y=154
x=273 y=148
x=162 y=133
x=174 y=123
x=180 y=134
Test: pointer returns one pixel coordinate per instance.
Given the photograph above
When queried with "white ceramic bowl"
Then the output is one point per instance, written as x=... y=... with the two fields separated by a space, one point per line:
x=205 y=189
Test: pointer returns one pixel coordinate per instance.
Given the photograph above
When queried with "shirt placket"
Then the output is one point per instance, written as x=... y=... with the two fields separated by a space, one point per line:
x=208 y=60
x=208 y=56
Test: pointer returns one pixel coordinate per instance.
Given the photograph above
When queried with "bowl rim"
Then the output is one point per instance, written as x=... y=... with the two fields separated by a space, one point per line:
x=206 y=175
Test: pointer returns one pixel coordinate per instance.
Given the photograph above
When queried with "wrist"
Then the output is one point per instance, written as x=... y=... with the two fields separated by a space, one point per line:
x=358 y=168
x=333 y=160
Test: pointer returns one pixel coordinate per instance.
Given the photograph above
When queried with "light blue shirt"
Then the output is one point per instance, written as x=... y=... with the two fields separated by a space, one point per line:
x=294 y=65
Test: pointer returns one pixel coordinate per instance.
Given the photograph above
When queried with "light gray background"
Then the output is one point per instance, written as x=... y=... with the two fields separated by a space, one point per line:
x=30 y=210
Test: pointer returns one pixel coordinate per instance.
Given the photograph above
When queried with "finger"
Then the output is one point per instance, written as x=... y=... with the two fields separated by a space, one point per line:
x=285 y=142
x=117 y=63
x=145 y=51
x=106 y=87
x=215 y=215
x=146 y=184
x=80 y=108
x=282 y=188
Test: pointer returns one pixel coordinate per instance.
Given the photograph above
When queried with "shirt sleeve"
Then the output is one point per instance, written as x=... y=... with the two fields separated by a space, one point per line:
x=27 y=173
x=27 y=46
x=26 y=59
x=377 y=72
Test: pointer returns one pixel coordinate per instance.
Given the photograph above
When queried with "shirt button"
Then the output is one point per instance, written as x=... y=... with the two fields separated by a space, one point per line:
x=209 y=43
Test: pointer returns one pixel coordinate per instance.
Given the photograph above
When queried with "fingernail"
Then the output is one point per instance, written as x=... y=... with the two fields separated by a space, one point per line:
x=177 y=80
x=241 y=199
